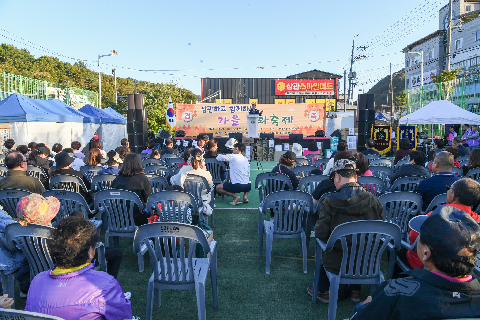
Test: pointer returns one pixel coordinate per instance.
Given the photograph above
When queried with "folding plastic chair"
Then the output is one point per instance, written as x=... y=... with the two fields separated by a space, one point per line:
x=436 y=202
x=90 y=171
x=9 y=199
x=363 y=243
x=12 y=314
x=159 y=184
x=303 y=171
x=406 y=184
x=309 y=183
x=291 y=208
x=373 y=185
x=176 y=267
x=118 y=206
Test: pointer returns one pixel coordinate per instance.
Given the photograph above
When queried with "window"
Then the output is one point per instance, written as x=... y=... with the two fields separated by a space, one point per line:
x=459 y=44
x=431 y=55
x=409 y=63
x=468 y=8
x=477 y=35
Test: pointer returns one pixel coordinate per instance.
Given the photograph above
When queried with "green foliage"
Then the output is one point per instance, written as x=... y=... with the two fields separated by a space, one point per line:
x=20 y=61
x=401 y=99
x=382 y=88
x=446 y=76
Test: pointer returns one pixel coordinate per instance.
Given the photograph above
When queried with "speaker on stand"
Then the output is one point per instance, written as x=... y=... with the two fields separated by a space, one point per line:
x=366 y=119
x=136 y=123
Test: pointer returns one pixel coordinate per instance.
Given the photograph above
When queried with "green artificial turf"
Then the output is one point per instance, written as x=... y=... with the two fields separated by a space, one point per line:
x=245 y=291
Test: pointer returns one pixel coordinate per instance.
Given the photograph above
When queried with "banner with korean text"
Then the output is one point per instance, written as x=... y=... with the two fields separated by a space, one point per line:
x=222 y=119
x=305 y=87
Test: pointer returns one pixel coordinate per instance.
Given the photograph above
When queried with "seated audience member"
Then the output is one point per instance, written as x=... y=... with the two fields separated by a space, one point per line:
x=462 y=194
x=285 y=165
x=131 y=178
x=454 y=151
x=17 y=177
x=415 y=167
x=211 y=147
x=351 y=202
x=38 y=158
x=462 y=150
x=186 y=156
x=151 y=134
x=123 y=143
x=403 y=151
x=438 y=145
x=312 y=148
x=169 y=148
x=432 y=187
x=76 y=150
x=239 y=174
x=448 y=246
x=341 y=141
x=77 y=163
x=123 y=151
x=342 y=150
x=95 y=144
x=202 y=140
x=63 y=165
x=94 y=158
x=150 y=146
x=57 y=148
x=156 y=154
x=369 y=145
x=10 y=145
x=431 y=155
x=473 y=162
x=23 y=149
x=73 y=289
x=32 y=145
x=197 y=167
x=113 y=163
x=362 y=165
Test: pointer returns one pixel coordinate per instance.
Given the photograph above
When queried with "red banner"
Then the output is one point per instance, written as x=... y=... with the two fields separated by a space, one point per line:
x=304 y=87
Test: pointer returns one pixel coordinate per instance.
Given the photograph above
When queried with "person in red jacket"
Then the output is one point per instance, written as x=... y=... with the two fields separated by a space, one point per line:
x=462 y=194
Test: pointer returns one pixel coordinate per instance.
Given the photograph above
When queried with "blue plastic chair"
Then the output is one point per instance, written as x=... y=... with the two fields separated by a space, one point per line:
x=9 y=199
x=373 y=185
x=382 y=162
x=90 y=171
x=159 y=170
x=177 y=268
x=195 y=185
x=371 y=157
x=67 y=182
x=382 y=172
x=312 y=158
x=159 y=184
x=363 y=243
x=290 y=210
x=149 y=162
x=270 y=182
x=473 y=173
x=321 y=163
x=406 y=183
x=102 y=182
x=438 y=201
x=303 y=171
x=309 y=183
x=12 y=314
x=175 y=205
x=399 y=207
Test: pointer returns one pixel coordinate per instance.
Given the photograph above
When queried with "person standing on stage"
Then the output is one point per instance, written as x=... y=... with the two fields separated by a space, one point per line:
x=452 y=135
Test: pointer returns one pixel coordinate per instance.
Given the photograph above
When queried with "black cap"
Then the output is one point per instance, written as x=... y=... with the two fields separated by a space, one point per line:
x=43 y=150
x=290 y=155
x=63 y=160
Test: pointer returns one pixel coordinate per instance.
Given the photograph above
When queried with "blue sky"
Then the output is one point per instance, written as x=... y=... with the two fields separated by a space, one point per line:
x=221 y=35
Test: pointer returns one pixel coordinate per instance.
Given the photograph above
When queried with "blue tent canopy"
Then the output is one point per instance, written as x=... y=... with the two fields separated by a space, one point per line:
x=104 y=116
x=18 y=108
x=58 y=105
x=114 y=113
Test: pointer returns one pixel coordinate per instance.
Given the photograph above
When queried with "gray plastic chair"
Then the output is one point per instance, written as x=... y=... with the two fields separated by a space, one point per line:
x=36 y=172
x=102 y=182
x=373 y=185
x=159 y=184
x=321 y=163
x=291 y=209
x=476 y=270
x=67 y=182
x=382 y=162
x=159 y=171
x=371 y=157
x=12 y=314
x=406 y=184
x=302 y=162
x=436 y=202
x=399 y=207
x=71 y=202
x=308 y=184
x=148 y=162
x=473 y=173
x=195 y=184
x=118 y=206
x=32 y=240
x=270 y=182
x=144 y=155
x=457 y=171
x=363 y=243
x=214 y=167
x=463 y=158
x=303 y=171
x=173 y=162
x=175 y=205
x=3 y=171
x=166 y=156
x=427 y=164
x=9 y=199
x=401 y=163
x=383 y=173
x=312 y=158
x=90 y=171
x=178 y=269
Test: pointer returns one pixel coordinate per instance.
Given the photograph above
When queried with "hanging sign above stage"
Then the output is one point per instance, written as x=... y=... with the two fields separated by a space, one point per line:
x=221 y=119
x=304 y=87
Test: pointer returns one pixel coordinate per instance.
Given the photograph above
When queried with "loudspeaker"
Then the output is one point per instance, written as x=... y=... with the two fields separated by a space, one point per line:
x=366 y=101
x=138 y=101
x=319 y=133
x=180 y=133
x=336 y=133
x=130 y=115
x=163 y=134
x=268 y=136
x=295 y=136
x=366 y=115
x=237 y=135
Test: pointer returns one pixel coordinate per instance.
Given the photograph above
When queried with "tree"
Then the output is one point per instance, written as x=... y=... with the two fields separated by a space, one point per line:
x=444 y=82
x=401 y=99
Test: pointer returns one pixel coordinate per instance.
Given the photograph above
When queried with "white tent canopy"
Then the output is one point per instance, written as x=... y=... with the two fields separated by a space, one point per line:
x=441 y=112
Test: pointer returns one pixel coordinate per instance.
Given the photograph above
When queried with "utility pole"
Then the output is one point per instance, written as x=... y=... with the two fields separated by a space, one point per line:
x=114 y=71
x=345 y=90
x=350 y=75
x=449 y=36
x=391 y=92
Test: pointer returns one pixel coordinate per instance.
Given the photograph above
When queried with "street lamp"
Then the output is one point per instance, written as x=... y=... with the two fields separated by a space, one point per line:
x=112 y=53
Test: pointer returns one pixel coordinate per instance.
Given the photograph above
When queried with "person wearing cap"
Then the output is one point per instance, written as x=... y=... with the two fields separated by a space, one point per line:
x=462 y=194
x=17 y=177
x=351 y=202
x=113 y=162
x=38 y=158
x=72 y=289
x=445 y=289
x=285 y=165
x=63 y=166
x=239 y=173
x=432 y=187
x=169 y=149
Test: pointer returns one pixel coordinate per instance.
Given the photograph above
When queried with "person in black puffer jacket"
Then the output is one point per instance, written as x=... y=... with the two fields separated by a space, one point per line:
x=415 y=167
x=285 y=166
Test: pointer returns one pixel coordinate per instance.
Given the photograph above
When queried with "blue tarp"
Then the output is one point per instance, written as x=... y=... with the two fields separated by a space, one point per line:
x=114 y=113
x=18 y=108
x=104 y=116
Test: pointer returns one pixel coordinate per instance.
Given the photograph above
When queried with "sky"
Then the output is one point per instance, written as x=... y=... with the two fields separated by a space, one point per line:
x=228 y=39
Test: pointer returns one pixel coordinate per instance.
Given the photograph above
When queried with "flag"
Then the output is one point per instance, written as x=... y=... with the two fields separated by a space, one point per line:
x=170 y=118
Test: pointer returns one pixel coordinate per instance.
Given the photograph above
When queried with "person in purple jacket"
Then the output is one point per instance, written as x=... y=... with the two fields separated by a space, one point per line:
x=73 y=289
